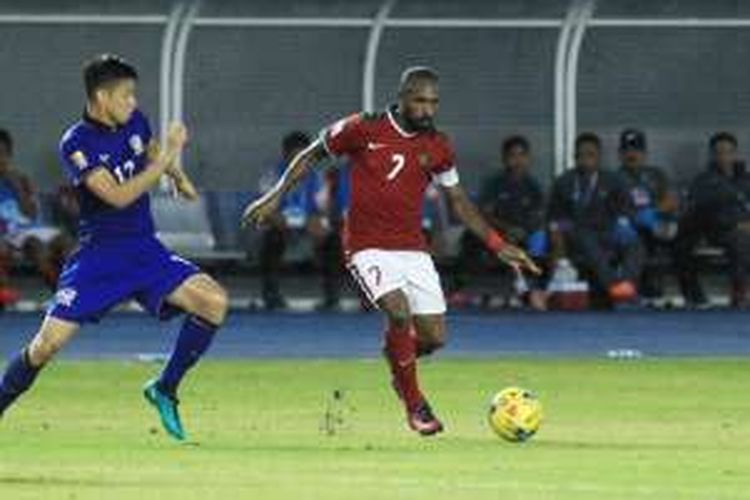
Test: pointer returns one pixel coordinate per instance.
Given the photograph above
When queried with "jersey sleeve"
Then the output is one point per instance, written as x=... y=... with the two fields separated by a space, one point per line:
x=345 y=136
x=444 y=171
x=77 y=157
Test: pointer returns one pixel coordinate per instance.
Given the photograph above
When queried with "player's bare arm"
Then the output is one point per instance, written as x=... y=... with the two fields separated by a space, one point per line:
x=182 y=182
x=469 y=215
x=261 y=210
x=104 y=185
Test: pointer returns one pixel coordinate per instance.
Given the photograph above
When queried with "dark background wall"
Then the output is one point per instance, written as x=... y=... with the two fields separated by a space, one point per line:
x=246 y=86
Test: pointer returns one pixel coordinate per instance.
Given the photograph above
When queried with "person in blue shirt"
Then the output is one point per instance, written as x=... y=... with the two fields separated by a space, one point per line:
x=113 y=162
x=299 y=212
x=330 y=251
x=22 y=231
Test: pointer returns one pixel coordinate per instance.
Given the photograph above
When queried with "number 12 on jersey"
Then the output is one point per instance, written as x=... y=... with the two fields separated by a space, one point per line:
x=125 y=172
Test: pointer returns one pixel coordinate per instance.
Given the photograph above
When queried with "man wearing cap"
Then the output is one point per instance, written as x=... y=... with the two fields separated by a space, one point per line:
x=655 y=206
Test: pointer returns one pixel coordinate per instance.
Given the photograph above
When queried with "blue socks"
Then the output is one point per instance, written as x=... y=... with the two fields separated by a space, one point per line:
x=18 y=377
x=193 y=341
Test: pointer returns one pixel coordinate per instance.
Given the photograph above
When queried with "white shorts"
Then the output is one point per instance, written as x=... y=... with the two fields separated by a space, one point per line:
x=378 y=272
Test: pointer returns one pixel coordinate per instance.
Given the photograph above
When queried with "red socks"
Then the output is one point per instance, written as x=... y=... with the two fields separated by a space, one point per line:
x=401 y=352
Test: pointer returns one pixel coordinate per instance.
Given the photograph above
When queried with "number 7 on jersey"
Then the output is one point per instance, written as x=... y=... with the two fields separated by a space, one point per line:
x=399 y=161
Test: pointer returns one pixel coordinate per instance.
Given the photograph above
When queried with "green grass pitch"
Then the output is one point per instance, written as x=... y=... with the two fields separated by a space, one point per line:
x=656 y=429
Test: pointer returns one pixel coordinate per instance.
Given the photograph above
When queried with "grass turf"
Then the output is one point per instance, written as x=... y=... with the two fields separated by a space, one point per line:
x=662 y=429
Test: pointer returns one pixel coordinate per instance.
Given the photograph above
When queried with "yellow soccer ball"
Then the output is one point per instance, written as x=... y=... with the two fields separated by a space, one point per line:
x=515 y=414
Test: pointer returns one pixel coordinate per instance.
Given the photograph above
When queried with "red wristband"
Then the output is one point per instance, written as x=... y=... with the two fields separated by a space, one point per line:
x=494 y=241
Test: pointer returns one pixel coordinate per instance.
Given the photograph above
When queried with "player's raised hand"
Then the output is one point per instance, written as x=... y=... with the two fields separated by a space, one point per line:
x=516 y=257
x=261 y=210
x=183 y=185
x=177 y=136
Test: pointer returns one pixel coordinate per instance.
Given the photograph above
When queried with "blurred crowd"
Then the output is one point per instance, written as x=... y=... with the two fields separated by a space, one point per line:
x=605 y=237
x=26 y=237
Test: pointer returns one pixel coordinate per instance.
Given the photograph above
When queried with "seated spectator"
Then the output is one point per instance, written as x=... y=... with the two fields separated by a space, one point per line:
x=512 y=201
x=590 y=218
x=327 y=234
x=655 y=207
x=21 y=231
x=66 y=210
x=718 y=211
x=299 y=212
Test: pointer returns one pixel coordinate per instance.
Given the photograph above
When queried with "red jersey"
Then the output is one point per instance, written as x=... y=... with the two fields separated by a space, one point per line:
x=391 y=169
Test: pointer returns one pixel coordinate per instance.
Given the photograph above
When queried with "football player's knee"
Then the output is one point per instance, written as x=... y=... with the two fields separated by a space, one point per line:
x=213 y=305
x=221 y=304
x=396 y=307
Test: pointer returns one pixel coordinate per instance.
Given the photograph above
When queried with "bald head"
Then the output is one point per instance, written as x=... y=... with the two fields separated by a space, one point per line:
x=417 y=77
x=418 y=98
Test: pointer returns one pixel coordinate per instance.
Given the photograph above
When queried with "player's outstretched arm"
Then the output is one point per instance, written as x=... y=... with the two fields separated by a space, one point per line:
x=469 y=215
x=260 y=210
x=103 y=184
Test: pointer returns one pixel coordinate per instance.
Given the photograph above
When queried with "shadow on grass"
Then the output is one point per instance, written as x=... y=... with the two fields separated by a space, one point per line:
x=634 y=446
x=50 y=482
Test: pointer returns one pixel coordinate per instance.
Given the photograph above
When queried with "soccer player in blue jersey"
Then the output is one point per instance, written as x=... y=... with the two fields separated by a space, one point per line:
x=113 y=161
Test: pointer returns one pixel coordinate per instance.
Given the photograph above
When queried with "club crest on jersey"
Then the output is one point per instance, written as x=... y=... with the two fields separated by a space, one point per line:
x=137 y=144
x=79 y=160
x=425 y=160
x=66 y=296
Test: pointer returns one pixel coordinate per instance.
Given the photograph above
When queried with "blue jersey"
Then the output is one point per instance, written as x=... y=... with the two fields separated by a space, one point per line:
x=121 y=258
x=122 y=150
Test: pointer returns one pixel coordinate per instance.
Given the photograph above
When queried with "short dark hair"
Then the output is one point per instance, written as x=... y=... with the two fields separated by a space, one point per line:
x=632 y=139
x=514 y=141
x=106 y=69
x=7 y=139
x=587 y=138
x=416 y=76
x=294 y=140
x=722 y=136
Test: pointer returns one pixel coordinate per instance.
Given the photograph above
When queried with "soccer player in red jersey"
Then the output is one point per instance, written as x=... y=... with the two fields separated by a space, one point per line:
x=395 y=155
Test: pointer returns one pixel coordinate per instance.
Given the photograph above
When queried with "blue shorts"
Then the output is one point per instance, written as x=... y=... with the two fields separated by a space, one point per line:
x=101 y=275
